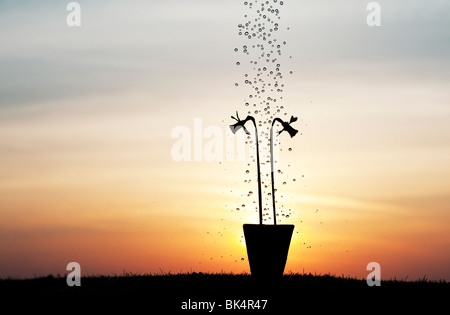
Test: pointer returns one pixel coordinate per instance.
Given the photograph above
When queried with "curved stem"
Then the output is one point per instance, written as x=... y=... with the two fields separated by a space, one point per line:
x=271 y=170
x=259 y=173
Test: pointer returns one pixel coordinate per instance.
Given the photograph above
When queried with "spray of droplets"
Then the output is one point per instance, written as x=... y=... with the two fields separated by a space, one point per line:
x=259 y=57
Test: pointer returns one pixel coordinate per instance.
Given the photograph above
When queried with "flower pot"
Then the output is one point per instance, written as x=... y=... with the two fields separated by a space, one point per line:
x=267 y=249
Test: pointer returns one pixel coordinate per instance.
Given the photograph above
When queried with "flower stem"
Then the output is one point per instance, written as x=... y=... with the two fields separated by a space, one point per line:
x=271 y=170
x=259 y=172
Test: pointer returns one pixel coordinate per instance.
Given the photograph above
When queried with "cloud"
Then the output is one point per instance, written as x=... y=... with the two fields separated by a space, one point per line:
x=117 y=46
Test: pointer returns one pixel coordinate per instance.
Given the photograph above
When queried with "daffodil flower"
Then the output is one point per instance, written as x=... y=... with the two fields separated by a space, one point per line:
x=240 y=123
x=292 y=132
x=287 y=126
x=234 y=128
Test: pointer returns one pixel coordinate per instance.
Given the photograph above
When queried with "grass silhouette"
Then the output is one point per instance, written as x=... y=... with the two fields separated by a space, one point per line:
x=167 y=291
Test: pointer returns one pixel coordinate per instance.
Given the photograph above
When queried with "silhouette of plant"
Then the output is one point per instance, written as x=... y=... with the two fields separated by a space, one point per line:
x=292 y=132
x=286 y=127
x=240 y=124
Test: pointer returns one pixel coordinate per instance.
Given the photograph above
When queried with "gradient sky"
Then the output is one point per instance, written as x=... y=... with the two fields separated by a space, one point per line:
x=86 y=114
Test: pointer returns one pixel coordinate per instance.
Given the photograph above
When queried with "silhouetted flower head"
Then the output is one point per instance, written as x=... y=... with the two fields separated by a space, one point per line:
x=287 y=126
x=240 y=123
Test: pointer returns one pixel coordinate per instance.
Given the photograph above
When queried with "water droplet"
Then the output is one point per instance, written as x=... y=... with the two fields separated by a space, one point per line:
x=236 y=49
x=242 y=259
x=238 y=63
x=247 y=171
x=290 y=149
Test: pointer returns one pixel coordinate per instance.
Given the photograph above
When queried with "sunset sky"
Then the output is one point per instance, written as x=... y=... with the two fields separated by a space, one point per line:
x=86 y=121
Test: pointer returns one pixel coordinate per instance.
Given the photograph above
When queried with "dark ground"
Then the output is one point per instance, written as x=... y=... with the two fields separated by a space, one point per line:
x=158 y=294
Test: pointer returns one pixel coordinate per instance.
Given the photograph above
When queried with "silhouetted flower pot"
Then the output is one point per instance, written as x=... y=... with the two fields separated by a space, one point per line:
x=267 y=249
